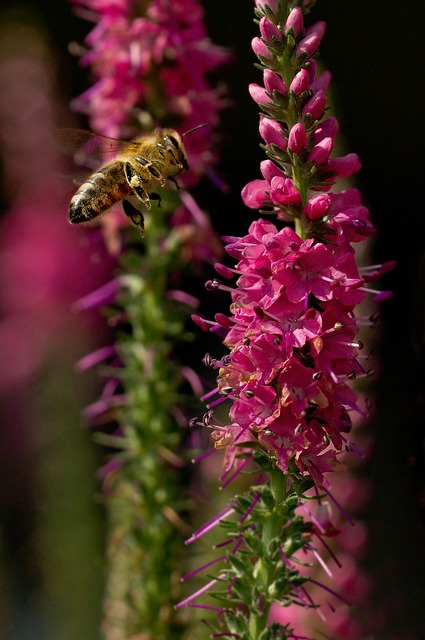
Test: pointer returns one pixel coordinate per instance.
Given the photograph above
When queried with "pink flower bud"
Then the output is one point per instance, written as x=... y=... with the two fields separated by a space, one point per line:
x=317 y=206
x=253 y=193
x=273 y=82
x=310 y=43
x=321 y=151
x=271 y=132
x=315 y=106
x=295 y=21
x=301 y=82
x=259 y=48
x=317 y=28
x=273 y=4
x=322 y=82
x=283 y=191
x=312 y=70
x=269 y=30
x=326 y=129
x=345 y=166
x=258 y=94
x=297 y=140
x=269 y=170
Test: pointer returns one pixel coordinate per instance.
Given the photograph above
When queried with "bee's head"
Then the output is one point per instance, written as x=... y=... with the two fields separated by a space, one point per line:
x=173 y=143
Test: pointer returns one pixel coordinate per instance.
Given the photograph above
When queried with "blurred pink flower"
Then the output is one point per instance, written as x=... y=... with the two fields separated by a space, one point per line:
x=149 y=60
x=43 y=267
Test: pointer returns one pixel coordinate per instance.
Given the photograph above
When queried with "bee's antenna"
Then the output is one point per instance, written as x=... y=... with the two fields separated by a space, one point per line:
x=199 y=126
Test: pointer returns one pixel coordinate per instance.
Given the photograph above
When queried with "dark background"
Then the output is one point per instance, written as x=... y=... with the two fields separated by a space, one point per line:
x=375 y=51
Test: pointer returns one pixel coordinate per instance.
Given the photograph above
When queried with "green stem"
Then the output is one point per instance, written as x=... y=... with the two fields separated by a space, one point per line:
x=144 y=549
x=257 y=624
x=300 y=228
x=258 y=571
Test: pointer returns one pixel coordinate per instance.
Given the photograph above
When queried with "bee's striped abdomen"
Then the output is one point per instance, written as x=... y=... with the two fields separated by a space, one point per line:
x=103 y=189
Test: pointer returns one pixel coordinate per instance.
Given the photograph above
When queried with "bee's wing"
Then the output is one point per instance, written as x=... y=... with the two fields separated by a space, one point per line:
x=91 y=149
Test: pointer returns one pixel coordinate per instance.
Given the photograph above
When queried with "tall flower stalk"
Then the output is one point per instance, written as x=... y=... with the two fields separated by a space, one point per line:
x=292 y=337
x=139 y=53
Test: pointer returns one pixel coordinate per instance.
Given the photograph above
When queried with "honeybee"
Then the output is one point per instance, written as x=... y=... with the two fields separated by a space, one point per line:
x=133 y=168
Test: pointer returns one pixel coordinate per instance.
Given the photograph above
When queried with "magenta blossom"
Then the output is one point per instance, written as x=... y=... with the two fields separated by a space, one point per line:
x=292 y=330
x=292 y=346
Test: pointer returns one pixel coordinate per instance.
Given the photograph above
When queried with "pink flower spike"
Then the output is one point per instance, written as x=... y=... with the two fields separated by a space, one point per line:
x=298 y=139
x=269 y=30
x=295 y=21
x=345 y=166
x=273 y=82
x=321 y=151
x=271 y=132
x=317 y=206
x=315 y=106
x=254 y=193
x=310 y=43
x=326 y=129
x=301 y=82
x=283 y=191
x=259 y=48
x=258 y=94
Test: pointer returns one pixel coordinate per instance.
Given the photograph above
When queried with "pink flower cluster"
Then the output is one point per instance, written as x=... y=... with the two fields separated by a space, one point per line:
x=293 y=327
x=151 y=59
x=293 y=347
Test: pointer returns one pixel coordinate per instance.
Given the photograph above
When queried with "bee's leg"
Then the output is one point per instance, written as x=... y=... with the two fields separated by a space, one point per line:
x=157 y=197
x=135 y=181
x=174 y=181
x=135 y=215
x=152 y=170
